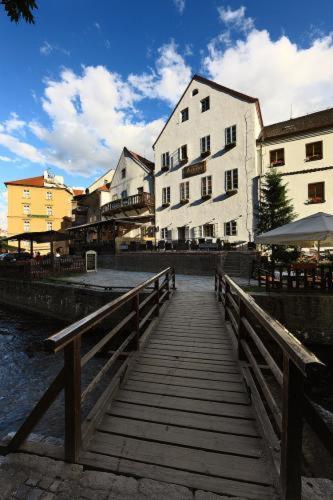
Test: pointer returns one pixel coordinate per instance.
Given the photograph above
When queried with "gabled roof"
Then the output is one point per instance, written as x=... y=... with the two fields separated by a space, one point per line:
x=30 y=181
x=311 y=122
x=147 y=163
x=105 y=187
x=78 y=192
x=220 y=88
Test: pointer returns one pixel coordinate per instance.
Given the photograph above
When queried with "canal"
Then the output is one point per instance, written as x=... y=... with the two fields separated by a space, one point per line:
x=26 y=371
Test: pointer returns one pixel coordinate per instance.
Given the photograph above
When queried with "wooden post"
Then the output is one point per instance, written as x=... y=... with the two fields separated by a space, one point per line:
x=72 y=358
x=157 y=299
x=168 y=285
x=31 y=248
x=173 y=279
x=226 y=301
x=292 y=427
x=219 y=293
x=241 y=330
x=19 y=246
x=136 y=303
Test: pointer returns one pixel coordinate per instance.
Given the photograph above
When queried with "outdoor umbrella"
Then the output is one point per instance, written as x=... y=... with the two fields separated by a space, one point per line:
x=316 y=229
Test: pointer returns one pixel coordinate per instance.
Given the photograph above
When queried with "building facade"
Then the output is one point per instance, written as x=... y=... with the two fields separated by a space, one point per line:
x=301 y=150
x=132 y=196
x=40 y=203
x=206 y=165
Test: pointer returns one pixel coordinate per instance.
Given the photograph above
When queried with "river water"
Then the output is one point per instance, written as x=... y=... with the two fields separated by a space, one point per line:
x=26 y=371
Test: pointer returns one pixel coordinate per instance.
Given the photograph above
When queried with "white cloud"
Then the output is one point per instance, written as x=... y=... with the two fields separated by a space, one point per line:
x=278 y=72
x=47 y=48
x=21 y=149
x=180 y=5
x=236 y=18
x=6 y=159
x=168 y=80
x=97 y=25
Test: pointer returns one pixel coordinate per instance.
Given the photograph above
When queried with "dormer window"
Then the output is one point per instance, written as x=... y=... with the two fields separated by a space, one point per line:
x=205 y=104
x=184 y=115
x=195 y=92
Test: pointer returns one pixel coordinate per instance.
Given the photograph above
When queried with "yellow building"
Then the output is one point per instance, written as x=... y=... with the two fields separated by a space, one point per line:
x=38 y=204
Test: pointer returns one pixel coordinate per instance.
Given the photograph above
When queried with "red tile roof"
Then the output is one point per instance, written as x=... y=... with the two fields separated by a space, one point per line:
x=78 y=192
x=149 y=164
x=31 y=181
x=105 y=187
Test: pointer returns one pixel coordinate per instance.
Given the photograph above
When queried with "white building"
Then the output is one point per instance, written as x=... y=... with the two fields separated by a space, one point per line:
x=103 y=180
x=132 y=194
x=205 y=165
x=301 y=149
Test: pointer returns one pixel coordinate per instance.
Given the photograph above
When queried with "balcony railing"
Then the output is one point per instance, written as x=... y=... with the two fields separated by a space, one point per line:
x=137 y=201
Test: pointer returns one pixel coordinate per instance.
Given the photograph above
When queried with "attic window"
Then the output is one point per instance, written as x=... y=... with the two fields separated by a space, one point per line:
x=195 y=92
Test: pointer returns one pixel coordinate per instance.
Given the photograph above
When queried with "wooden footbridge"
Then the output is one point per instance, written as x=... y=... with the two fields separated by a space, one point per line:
x=188 y=401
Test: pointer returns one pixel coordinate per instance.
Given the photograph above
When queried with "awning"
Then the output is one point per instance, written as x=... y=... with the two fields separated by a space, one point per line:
x=134 y=220
x=38 y=236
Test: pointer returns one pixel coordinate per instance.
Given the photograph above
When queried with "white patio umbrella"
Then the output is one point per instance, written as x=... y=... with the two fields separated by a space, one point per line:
x=314 y=230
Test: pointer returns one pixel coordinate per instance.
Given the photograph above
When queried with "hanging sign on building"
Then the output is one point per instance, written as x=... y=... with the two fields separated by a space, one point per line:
x=91 y=261
x=195 y=169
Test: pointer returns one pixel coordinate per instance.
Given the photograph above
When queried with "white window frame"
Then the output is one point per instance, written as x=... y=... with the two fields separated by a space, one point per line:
x=49 y=195
x=26 y=193
x=48 y=226
x=166 y=195
x=230 y=135
x=184 y=190
x=230 y=228
x=205 y=144
x=26 y=209
x=206 y=185
x=186 y=115
x=205 y=226
x=165 y=160
x=181 y=151
x=26 y=226
x=164 y=233
x=49 y=210
x=231 y=179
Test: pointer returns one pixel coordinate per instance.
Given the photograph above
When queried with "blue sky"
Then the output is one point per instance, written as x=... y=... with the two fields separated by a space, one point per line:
x=92 y=76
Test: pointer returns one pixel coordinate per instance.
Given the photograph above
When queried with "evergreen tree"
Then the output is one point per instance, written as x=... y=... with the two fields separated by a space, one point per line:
x=17 y=9
x=275 y=210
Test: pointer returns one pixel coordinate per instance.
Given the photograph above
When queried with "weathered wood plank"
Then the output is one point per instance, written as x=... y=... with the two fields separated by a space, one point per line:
x=197 y=350
x=191 y=344
x=220 y=363
x=168 y=474
x=187 y=354
x=184 y=418
x=216 y=385
x=192 y=374
x=216 y=464
x=187 y=364
x=188 y=392
x=173 y=434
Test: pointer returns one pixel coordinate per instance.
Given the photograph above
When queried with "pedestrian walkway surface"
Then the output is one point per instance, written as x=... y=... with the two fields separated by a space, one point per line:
x=183 y=415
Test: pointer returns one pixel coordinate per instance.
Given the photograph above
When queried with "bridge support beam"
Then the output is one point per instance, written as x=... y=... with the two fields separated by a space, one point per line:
x=72 y=355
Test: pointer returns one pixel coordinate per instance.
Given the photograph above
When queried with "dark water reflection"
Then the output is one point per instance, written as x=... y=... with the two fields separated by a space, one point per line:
x=26 y=370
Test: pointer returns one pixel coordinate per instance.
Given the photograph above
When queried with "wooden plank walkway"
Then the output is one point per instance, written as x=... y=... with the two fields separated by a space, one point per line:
x=183 y=415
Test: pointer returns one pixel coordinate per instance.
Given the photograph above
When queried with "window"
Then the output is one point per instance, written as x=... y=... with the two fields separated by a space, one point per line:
x=123 y=173
x=195 y=92
x=276 y=157
x=184 y=191
x=165 y=161
x=205 y=104
x=230 y=135
x=164 y=233
x=184 y=115
x=26 y=209
x=124 y=194
x=314 y=151
x=182 y=154
x=231 y=179
x=140 y=190
x=48 y=210
x=166 y=196
x=205 y=144
x=26 y=226
x=49 y=226
x=230 y=228
x=316 y=192
x=26 y=193
x=209 y=230
x=206 y=186
x=49 y=195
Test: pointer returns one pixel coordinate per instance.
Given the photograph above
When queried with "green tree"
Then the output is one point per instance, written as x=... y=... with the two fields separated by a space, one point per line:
x=17 y=9
x=275 y=210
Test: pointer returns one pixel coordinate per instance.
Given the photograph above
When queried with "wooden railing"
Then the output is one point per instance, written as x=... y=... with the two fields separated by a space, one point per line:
x=140 y=200
x=274 y=362
x=34 y=269
x=297 y=277
x=140 y=307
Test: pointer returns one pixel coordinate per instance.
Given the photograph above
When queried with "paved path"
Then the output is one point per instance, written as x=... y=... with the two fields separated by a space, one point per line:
x=183 y=415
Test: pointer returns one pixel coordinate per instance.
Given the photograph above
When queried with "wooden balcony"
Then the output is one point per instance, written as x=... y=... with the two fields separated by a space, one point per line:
x=135 y=202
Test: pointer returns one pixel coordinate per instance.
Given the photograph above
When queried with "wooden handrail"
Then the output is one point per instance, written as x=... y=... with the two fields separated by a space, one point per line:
x=133 y=325
x=281 y=422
